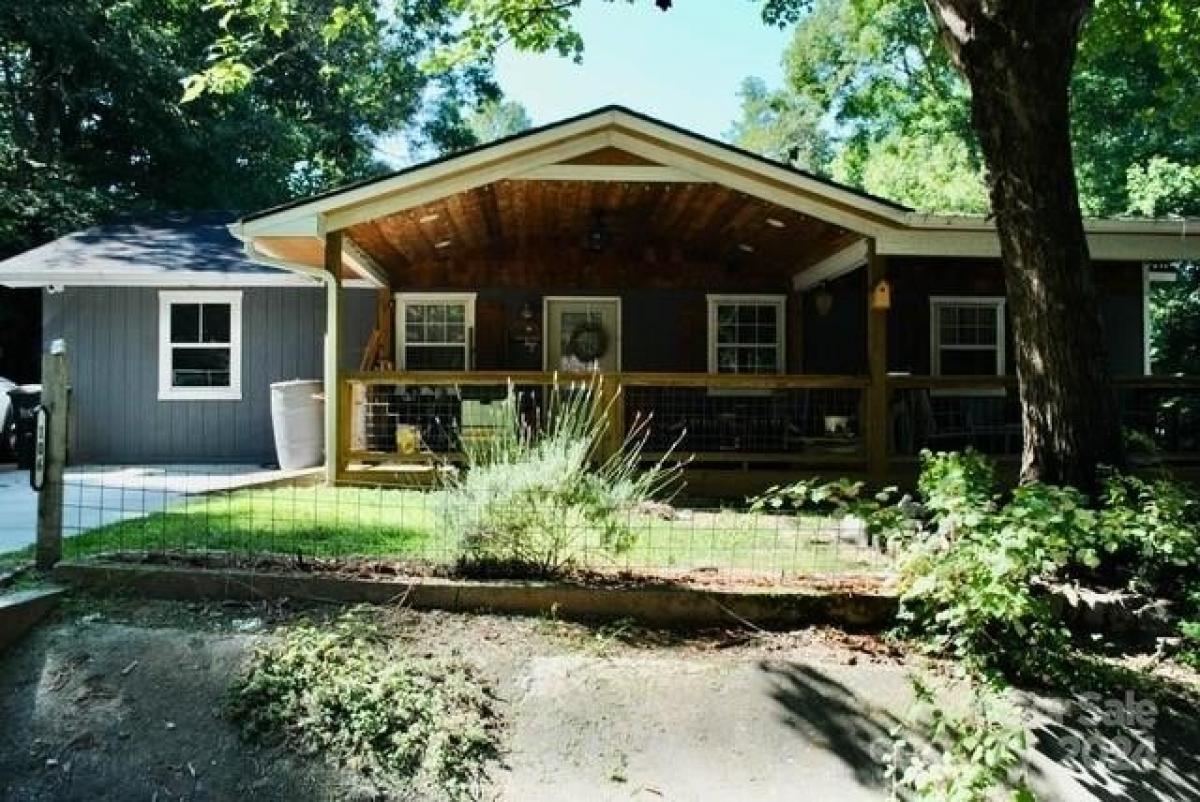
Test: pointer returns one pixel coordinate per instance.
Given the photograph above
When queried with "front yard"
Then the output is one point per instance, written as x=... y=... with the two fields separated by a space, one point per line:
x=412 y=526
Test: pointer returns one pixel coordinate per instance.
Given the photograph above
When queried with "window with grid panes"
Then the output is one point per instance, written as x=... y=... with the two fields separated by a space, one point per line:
x=745 y=334
x=435 y=331
x=967 y=336
x=200 y=345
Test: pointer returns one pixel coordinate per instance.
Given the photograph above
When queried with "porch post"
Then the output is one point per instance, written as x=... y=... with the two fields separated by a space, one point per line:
x=876 y=429
x=333 y=346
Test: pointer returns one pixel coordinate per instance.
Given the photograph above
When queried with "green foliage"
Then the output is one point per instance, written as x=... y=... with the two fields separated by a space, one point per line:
x=1163 y=187
x=880 y=79
x=345 y=691
x=781 y=126
x=972 y=755
x=841 y=499
x=1175 y=322
x=541 y=494
x=974 y=580
x=1148 y=532
x=91 y=121
x=498 y=119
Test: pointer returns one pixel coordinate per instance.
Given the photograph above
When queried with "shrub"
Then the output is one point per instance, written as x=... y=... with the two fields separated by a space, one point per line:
x=341 y=690
x=970 y=755
x=537 y=494
x=1148 y=533
x=882 y=515
x=976 y=589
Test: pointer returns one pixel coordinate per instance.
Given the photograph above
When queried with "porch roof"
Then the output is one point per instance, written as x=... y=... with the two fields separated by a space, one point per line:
x=654 y=185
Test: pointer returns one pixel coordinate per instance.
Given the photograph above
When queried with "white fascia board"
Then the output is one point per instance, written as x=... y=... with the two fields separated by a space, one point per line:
x=370 y=270
x=434 y=172
x=801 y=201
x=813 y=186
x=427 y=189
x=1103 y=245
x=844 y=261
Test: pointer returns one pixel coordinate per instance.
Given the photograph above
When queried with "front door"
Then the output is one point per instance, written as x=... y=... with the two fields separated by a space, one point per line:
x=583 y=334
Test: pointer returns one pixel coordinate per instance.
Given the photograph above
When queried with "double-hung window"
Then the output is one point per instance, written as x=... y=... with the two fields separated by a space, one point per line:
x=435 y=331
x=200 y=345
x=966 y=336
x=745 y=333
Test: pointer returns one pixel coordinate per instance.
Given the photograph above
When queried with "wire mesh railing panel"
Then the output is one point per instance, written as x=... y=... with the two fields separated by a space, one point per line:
x=987 y=420
x=750 y=421
x=237 y=515
x=1161 y=419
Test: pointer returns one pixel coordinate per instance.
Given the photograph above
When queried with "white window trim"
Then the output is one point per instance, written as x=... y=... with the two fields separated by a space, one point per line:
x=1150 y=276
x=403 y=299
x=998 y=302
x=166 y=390
x=780 y=304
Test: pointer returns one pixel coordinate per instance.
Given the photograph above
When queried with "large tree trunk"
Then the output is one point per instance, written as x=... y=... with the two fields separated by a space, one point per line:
x=1017 y=56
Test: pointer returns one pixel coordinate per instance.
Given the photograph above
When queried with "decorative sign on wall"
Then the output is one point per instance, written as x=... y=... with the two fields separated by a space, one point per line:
x=881 y=296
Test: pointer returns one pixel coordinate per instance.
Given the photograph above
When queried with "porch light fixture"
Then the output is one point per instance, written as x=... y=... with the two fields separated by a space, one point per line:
x=823 y=300
x=775 y=222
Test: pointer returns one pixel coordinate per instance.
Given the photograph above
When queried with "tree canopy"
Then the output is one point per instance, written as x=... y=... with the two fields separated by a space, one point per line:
x=872 y=73
x=92 y=118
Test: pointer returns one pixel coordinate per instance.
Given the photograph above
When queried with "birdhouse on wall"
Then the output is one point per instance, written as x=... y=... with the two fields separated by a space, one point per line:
x=881 y=296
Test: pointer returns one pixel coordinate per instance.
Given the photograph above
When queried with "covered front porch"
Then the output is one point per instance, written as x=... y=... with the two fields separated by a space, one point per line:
x=768 y=323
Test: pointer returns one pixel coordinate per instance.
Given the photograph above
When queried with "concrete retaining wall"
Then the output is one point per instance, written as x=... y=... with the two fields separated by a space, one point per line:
x=659 y=606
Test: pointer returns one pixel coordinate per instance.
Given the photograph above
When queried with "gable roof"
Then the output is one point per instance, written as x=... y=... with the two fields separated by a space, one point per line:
x=163 y=250
x=551 y=149
x=536 y=131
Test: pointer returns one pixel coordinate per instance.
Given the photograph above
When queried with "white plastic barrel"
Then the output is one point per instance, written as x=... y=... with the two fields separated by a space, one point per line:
x=298 y=418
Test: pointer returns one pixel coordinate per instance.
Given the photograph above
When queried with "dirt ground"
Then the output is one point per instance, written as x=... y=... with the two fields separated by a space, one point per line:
x=122 y=700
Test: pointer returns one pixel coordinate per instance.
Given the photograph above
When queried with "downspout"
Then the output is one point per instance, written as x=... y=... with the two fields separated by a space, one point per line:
x=330 y=377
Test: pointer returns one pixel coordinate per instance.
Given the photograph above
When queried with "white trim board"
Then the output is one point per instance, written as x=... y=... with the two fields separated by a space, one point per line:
x=548 y=299
x=1149 y=276
x=846 y=260
x=167 y=391
x=714 y=300
x=403 y=299
x=997 y=302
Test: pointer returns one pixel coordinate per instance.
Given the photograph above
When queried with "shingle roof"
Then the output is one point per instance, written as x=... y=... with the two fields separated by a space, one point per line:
x=168 y=249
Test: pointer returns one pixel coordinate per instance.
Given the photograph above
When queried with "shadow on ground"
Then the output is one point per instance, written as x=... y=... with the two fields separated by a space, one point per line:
x=122 y=713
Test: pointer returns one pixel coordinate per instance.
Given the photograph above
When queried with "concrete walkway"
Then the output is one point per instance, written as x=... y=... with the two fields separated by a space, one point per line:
x=101 y=494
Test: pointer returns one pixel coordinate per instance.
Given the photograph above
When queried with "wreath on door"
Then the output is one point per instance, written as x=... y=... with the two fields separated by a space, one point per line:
x=588 y=341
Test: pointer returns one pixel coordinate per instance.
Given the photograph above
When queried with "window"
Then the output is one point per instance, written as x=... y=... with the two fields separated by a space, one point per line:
x=434 y=332
x=200 y=345
x=966 y=336
x=745 y=333
x=1159 y=280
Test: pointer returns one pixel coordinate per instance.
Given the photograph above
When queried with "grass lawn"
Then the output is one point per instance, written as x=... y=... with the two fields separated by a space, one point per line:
x=410 y=524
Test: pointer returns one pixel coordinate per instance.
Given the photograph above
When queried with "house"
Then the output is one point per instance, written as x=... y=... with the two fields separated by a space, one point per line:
x=771 y=321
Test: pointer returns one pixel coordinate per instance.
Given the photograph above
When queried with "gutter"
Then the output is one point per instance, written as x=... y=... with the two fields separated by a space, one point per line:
x=332 y=321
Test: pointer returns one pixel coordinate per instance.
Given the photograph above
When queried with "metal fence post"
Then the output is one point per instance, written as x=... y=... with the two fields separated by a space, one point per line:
x=50 y=499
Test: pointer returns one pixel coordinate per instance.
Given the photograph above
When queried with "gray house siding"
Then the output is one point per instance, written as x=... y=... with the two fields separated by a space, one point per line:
x=112 y=346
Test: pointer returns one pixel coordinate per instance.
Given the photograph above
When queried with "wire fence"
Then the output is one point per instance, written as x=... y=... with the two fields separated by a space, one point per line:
x=237 y=514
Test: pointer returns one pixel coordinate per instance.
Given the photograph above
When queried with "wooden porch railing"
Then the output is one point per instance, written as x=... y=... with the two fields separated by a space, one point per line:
x=795 y=422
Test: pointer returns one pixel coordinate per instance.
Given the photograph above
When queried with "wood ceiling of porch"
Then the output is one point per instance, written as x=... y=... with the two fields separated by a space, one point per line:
x=651 y=222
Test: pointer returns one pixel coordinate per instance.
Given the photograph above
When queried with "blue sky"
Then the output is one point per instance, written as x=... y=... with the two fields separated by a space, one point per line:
x=683 y=65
